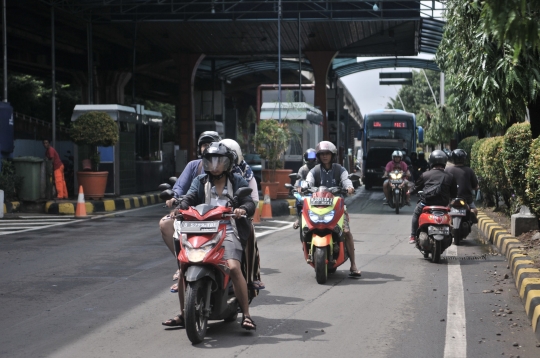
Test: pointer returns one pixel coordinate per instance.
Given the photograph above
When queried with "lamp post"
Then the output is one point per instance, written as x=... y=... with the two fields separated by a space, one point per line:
x=279 y=60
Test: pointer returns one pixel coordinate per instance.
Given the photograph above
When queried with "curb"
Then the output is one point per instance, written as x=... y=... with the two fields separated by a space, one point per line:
x=11 y=206
x=281 y=207
x=526 y=276
x=107 y=205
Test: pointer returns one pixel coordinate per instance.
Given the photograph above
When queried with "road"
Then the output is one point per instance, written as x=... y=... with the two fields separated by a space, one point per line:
x=99 y=288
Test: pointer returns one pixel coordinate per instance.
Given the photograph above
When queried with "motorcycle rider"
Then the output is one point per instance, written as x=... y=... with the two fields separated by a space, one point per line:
x=330 y=174
x=396 y=164
x=465 y=178
x=211 y=188
x=310 y=159
x=436 y=176
x=414 y=165
x=421 y=165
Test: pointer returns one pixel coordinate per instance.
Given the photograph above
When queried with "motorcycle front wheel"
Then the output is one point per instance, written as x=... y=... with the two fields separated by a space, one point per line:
x=457 y=236
x=436 y=253
x=195 y=305
x=396 y=202
x=321 y=267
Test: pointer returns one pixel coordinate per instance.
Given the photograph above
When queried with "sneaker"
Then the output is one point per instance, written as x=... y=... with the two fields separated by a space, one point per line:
x=412 y=240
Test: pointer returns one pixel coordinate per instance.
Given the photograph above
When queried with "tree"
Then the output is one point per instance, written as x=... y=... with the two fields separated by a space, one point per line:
x=492 y=87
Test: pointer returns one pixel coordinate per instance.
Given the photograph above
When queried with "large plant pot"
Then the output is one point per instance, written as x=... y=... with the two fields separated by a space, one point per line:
x=93 y=183
x=272 y=188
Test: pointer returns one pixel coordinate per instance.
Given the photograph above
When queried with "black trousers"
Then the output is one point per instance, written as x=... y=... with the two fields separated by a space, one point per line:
x=415 y=217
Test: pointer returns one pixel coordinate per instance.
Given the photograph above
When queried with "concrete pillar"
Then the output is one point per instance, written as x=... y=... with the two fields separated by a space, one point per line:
x=320 y=62
x=187 y=64
x=109 y=87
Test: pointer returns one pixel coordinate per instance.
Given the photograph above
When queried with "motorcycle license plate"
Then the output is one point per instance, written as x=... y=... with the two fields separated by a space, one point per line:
x=438 y=230
x=396 y=181
x=321 y=201
x=458 y=212
x=188 y=227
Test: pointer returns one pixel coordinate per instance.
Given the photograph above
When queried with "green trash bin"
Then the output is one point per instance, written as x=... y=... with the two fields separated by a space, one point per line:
x=30 y=169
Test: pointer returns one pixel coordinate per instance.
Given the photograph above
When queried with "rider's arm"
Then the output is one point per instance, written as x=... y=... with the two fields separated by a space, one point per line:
x=183 y=183
x=255 y=190
x=419 y=185
x=346 y=183
x=310 y=179
x=191 y=198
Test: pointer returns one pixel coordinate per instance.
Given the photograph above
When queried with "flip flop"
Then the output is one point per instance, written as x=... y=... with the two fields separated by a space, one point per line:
x=248 y=323
x=174 y=288
x=356 y=273
x=176 y=275
x=258 y=285
x=177 y=321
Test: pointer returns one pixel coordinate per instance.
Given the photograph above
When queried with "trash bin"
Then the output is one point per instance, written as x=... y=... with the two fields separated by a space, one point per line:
x=30 y=169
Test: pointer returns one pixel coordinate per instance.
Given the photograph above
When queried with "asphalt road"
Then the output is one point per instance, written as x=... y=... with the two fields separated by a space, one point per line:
x=100 y=288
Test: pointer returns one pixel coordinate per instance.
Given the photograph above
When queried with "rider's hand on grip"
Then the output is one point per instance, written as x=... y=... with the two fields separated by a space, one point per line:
x=238 y=213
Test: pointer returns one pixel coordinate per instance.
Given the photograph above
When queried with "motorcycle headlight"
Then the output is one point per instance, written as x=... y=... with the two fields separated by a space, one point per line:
x=328 y=217
x=196 y=255
x=313 y=217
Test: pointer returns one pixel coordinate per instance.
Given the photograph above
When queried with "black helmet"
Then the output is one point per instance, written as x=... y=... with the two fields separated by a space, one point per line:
x=421 y=155
x=207 y=137
x=218 y=155
x=310 y=158
x=459 y=156
x=437 y=157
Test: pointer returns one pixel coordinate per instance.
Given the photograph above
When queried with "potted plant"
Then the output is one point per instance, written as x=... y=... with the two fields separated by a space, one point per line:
x=92 y=130
x=271 y=141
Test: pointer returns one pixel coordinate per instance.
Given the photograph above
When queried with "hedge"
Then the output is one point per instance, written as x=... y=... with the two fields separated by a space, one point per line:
x=466 y=144
x=516 y=147
x=477 y=164
x=494 y=173
x=533 y=177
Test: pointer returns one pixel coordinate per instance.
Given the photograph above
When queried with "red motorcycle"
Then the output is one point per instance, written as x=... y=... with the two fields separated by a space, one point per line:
x=434 y=234
x=199 y=235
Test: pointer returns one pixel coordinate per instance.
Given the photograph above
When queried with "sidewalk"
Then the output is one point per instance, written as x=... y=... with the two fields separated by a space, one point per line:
x=280 y=207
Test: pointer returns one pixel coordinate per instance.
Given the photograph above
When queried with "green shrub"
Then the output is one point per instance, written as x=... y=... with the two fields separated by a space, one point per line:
x=10 y=183
x=477 y=164
x=516 y=147
x=533 y=177
x=466 y=144
x=493 y=170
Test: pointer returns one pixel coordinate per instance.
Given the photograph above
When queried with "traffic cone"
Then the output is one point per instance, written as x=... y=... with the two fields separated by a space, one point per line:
x=267 y=206
x=257 y=215
x=80 y=212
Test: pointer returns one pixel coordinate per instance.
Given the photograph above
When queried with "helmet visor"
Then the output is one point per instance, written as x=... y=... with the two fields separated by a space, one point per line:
x=216 y=164
x=311 y=156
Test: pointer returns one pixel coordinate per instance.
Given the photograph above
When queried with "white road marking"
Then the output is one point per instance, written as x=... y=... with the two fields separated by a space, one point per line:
x=276 y=230
x=456 y=333
x=34 y=227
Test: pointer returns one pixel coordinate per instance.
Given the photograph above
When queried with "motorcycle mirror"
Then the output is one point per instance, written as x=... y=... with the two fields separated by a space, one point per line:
x=242 y=192
x=354 y=176
x=164 y=186
x=288 y=186
x=294 y=176
x=173 y=180
x=167 y=194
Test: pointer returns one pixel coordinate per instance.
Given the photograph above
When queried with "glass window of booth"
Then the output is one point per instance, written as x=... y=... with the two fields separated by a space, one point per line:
x=148 y=143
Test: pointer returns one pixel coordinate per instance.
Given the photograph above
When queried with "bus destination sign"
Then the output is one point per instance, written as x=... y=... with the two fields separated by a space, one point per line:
x=389 y=124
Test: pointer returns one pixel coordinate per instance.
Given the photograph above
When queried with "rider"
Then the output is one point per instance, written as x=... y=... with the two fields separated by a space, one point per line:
x=436 y=176
x=211 y=188
x=330 y=174
x=465 y=178
x=396 y=164
x=310 y=159
x=421 y=165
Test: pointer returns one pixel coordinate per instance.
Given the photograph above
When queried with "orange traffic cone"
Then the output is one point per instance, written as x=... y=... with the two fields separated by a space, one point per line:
x=267 y=206
x=257 y=215
x=80 y=212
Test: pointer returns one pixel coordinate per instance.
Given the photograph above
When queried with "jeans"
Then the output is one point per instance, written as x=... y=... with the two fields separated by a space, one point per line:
x=416 y=216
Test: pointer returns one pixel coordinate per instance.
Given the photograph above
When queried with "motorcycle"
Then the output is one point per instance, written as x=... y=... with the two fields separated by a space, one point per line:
x=397 y=196
x=433 y=234
x=462 y=219
x=322 y=233
x=199 y=235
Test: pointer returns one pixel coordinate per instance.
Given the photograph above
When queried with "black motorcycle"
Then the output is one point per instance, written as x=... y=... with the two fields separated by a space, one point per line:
x=462 y=219
x=397 y=195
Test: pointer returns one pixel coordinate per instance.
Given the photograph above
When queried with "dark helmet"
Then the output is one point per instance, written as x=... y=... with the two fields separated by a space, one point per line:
x=207 y=137
x=437 y=157
x=218 y=155
x=310 y=158
x=421 y=155
x=326 y=146
x=459 y=156
x=404 y=151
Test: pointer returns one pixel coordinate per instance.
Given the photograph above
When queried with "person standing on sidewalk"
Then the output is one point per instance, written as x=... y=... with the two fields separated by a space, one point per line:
x=58 y=167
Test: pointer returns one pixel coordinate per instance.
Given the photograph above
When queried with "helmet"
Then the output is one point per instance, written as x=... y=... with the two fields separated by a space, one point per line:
x=310 y=158
x=404 y=151
x=397 y=153
x=459 y=156
x=207 y=137
x=437 y=157
x=421 y=155
x=235 y=147
x=326 y=146
x=217 y=156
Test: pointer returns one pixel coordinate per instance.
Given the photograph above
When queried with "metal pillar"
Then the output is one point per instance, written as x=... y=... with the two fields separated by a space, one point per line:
x=299 y=61
x=90 y=63
x=4 y=39
x=134 y=64
x=53 y=73
x=279 y=59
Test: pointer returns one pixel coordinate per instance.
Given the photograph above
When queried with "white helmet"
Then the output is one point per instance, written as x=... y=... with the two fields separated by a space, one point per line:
x=397 y=153
x=235 y=147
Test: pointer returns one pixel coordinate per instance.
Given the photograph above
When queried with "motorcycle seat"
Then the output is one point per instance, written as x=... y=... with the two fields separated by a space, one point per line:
x=434 y=207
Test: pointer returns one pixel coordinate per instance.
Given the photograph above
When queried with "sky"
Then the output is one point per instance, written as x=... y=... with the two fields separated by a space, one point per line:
x=364 y=86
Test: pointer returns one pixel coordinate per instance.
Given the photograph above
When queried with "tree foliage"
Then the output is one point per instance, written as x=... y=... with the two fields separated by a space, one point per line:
x=96 y=129
x=516 y=147
x=271 y=141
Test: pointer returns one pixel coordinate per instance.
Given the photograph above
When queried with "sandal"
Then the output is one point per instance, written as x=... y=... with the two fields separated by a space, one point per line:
x=174 y=288
x=356 y=273
x=296 y=225
x=177 y=321
x=248 y=323
x=176 y=275
x=258 y=285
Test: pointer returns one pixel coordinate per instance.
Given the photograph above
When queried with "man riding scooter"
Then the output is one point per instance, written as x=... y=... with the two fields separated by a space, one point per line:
x=465 y=177
x=396 y=164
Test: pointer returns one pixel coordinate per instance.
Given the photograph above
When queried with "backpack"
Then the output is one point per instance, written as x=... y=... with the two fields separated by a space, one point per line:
x=336 y=169
x=432 y=192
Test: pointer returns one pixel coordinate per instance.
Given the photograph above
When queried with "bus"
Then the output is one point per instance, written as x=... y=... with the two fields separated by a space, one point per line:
x=385 y=130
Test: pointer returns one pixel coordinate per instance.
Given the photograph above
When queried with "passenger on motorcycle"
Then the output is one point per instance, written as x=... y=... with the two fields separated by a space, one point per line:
x=310 y=159
x=211 y=188
x=443 y=186
x=330 y=174
x=421 y=165
x=396 y=164
x=465 y=178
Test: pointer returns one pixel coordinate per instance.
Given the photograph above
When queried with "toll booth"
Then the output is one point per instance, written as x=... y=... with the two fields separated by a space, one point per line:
x=305 y=121
x=135 y=163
